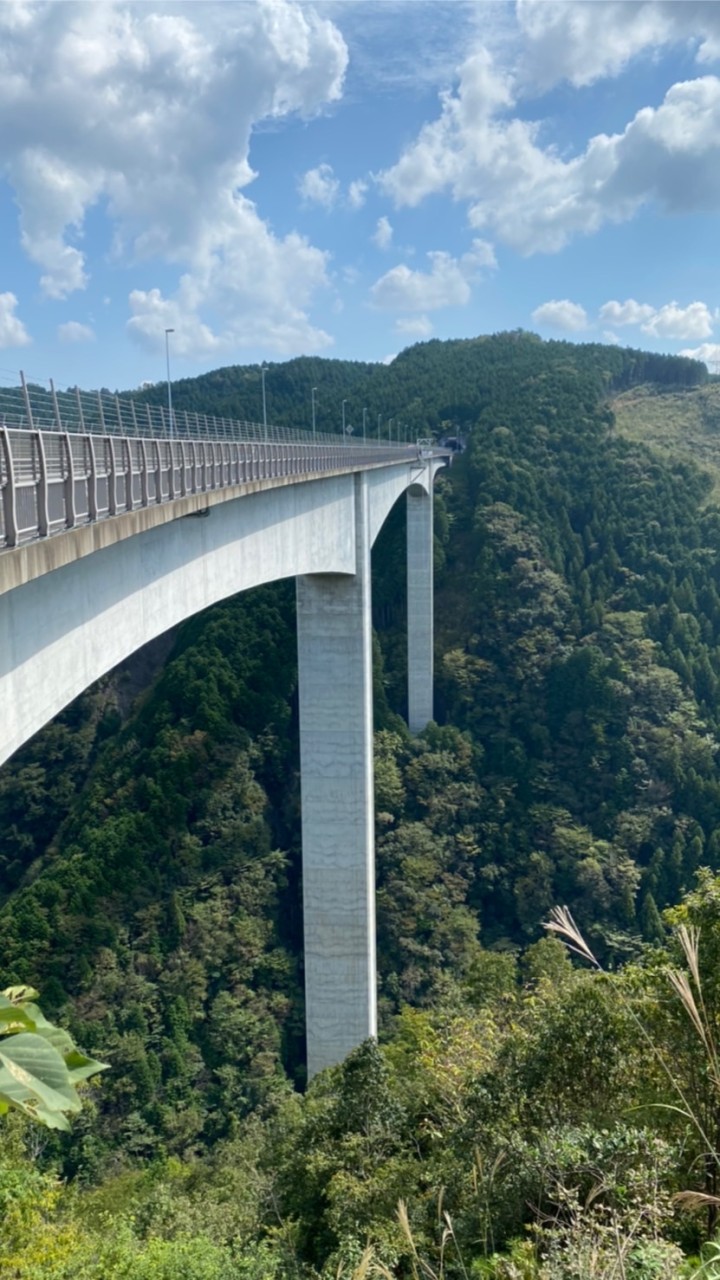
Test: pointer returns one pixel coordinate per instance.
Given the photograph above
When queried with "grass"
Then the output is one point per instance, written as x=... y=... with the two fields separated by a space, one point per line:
x=679 y=424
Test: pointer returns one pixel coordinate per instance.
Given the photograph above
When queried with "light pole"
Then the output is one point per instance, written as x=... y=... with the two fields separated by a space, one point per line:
x=169 y=384
x=379 y=424
x=364 y=424
x=262 y=374
x=312 y=398
x=343 y=416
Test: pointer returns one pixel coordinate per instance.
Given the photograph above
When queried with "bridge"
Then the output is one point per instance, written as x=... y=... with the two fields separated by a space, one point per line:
x=119 y=520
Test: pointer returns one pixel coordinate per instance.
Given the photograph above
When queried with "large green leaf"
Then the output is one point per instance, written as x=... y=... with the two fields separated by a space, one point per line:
x=31 y=1068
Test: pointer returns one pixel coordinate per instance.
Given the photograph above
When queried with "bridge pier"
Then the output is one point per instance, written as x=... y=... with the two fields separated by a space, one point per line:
x=336 y=755
x=420 y=607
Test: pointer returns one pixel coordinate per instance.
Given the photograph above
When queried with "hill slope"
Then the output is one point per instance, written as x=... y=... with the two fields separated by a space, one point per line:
x=150 y=881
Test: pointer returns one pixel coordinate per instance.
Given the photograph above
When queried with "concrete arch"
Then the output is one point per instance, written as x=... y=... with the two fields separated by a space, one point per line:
x=65 y=629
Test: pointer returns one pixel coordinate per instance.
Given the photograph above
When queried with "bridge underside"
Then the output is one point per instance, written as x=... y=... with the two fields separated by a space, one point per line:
x=62 y=631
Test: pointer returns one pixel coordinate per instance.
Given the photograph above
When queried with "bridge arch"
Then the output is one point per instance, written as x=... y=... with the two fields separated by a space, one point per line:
x=62 y=631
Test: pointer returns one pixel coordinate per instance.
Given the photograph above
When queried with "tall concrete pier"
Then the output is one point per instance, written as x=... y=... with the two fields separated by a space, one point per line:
x=336 y=758
x=420 y=607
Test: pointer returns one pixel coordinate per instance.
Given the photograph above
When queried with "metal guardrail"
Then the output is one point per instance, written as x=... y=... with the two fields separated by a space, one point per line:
x=33 y=407
x=51 y=481
x=69 y=458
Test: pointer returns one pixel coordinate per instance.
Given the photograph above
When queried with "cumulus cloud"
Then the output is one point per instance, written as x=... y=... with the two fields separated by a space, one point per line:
x=150 y=110
x=446 y=284
x=535 y=199
x=319 y=186
x=629 y=312
x=582 y=42
x=12 y=330
x=383 y=233
x=357 y=192
x=414 y=326
x=672 y=321
x=73 y=331
x=707 y=351
x=561 y=314
x=260 y=287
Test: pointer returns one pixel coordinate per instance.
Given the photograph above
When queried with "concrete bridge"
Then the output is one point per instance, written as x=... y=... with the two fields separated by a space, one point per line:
x=108 y=537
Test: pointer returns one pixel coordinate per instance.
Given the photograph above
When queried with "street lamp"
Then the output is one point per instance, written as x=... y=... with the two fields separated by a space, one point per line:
x=169 y=384
x=343 y=416
x=364 y=422
x=312 y=397
x=262 y=375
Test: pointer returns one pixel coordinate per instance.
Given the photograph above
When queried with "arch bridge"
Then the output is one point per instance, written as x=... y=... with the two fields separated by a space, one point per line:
x=118 y=521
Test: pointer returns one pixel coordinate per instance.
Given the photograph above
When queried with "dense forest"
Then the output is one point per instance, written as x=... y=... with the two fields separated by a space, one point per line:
x=536 y=1117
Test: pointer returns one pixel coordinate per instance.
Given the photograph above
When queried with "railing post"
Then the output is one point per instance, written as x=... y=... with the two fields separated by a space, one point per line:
x=9 y=494
x=26 y=398
x=158 y=472
x=56 y=406
x=70 y=515
x=92 y=479
x=144 y=490
x=128 y=476
x=81 y=416
x=112 y=477
x=42 y=487
x=103 y=430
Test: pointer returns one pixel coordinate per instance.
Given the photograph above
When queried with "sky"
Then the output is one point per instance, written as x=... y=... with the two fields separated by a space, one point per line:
x=273 y=178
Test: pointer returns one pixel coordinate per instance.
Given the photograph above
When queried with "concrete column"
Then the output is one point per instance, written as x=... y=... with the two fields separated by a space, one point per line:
x=336 y=759
x=420 y=607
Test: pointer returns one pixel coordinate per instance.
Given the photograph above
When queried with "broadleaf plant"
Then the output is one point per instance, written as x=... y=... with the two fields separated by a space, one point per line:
x=40 y=1065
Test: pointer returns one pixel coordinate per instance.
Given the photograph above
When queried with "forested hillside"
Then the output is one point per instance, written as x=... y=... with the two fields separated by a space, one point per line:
x=150 y=878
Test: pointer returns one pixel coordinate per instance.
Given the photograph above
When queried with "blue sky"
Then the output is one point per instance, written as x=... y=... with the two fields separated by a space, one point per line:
x=271 y=178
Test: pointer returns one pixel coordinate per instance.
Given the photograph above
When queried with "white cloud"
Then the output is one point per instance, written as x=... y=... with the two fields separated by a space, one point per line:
x=73 y=331
x=260 y=287
x=319 y=186
x=533 y=198
x=414 y=326
x=672 y=321
x=357 y=192
x=567 y=40
x=150 y=110
x=707 y=351
x=12 y=330
x=561 y=314
x=629 y=312
x=610 y=337
x=383 y=234
x=447 y=284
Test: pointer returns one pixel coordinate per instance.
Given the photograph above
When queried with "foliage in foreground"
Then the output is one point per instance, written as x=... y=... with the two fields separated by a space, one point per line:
x=40 y=1064
x=530 y=1126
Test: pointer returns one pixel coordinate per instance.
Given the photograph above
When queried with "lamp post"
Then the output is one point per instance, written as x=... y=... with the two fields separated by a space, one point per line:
x=379 y=424
x=343 y=416
x=169 y=384
x=262 y=374
x=364 y=424
x=312 y=398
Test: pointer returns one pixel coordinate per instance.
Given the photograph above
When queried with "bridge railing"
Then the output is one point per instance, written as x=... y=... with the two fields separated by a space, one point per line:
x=30 y=406
x=51 y=481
